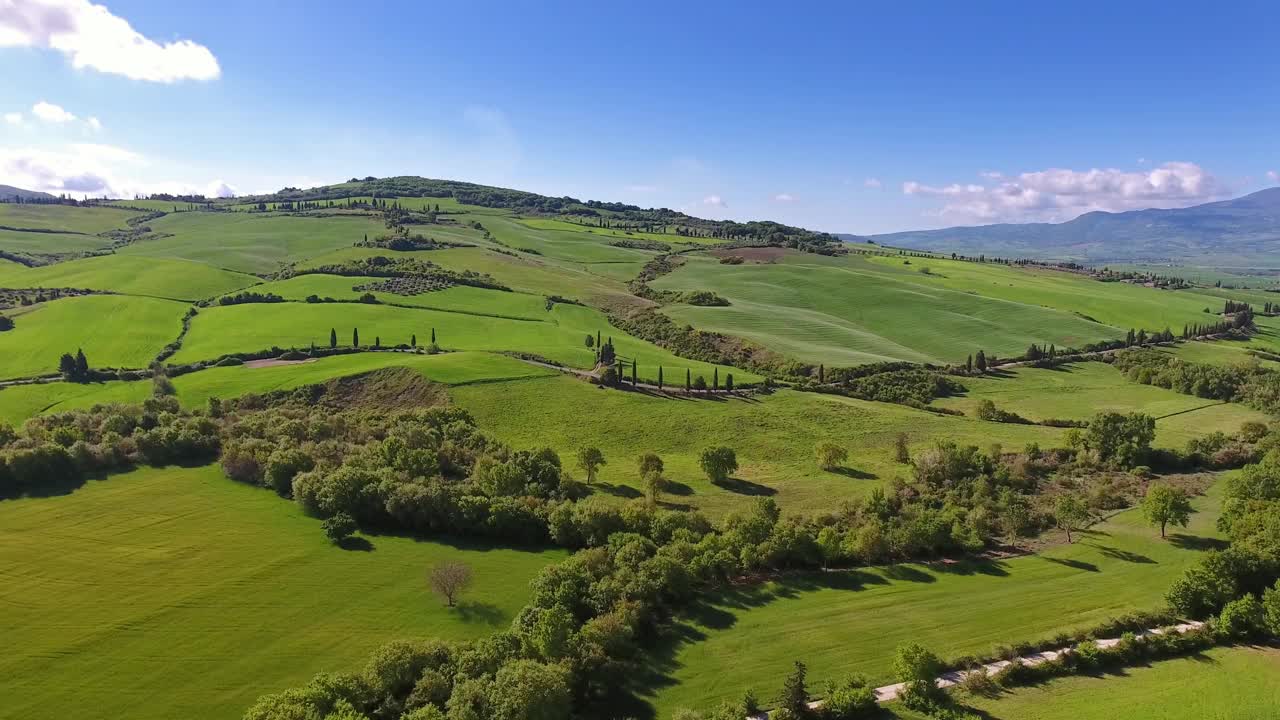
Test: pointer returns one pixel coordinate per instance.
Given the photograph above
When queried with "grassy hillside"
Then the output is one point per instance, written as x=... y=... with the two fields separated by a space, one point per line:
x=851 y=622
x=113 y=331
x=166 y=593
x=129 y=274
x=25 y=241
x=460 y=298
x=64 y=218
x=853 y=310
x=252 y=243
x=1226 y=683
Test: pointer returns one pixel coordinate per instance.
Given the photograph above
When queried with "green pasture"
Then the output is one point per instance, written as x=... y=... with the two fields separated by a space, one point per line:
x=611 y=234
x=151 y=205
x=63 y=218
x=849 y=311
x=252 y=243
x=25 y=241
x=773 y=435
x=459 y=298
x=1080 y=390
x=1224 y=683
x=19 y=402
x=113 y=331
x=129 y=274
x=1121 y=305
x=178 y=593
x=571 y=245
x=851 y=622
x=561 y=336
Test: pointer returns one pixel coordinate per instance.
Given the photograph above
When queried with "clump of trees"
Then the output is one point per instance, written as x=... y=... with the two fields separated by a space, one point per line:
x=75 y=368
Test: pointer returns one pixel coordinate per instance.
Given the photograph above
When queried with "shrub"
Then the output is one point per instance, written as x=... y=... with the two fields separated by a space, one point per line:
x=1242 y=618
x=339 y=527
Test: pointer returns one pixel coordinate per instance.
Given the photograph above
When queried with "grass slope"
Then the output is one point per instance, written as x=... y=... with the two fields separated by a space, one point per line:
x=113 y=331
x=48 y=242
x=253 y=243
x=561 y=336
x=848 y=311
x=66 y=218
x=129 y=274
x=1227 y=683
x=168 y=593
x=1079 y=390
x=773 y=435
x=460 y=298
x=851 y=622
x=19 y=402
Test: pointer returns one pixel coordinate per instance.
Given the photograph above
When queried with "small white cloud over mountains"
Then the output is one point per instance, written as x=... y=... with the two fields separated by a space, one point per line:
x=95 y=170
x=92 y=37
x=1059 y=194
x=714 y=201
x=783 y=197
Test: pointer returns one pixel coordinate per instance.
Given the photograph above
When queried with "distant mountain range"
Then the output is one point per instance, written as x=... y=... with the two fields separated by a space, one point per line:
x=10 y=193
x=1232 y=233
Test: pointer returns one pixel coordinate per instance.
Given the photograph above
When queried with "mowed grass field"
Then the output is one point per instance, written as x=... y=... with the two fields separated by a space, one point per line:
x=25 y=241
x=178 y=593
x=113 y=330
x=459 y=298
x=1225 y=683
x=252 y=243
x=64 y=218
x=1080 y=390
x=561 y=336
x=129 y=274
x=773 y=435
x=851 y=310
x=852 y=622
x=19 y=402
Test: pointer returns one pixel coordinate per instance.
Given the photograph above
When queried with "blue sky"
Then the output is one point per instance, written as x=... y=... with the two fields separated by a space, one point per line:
x=852 y=117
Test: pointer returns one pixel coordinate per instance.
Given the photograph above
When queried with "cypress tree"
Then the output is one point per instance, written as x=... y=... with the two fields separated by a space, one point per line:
x=728 y=382
x=433 y=336
x=413 y=341
x=688 y=380
x=634 y=379
x=333 y=338
x=715 y=379
x=968 y=364
x=82 y=364
x=822 y=373
x=377 y=341
x=981 y=361
x=355 y=337
x=659 y=377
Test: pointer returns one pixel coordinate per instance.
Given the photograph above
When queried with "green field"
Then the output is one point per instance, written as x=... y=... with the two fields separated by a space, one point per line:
x=129 y=274
x=853 y=310
x=1079 y=390
x=1225 y=683
x=560 y=337
x=252 y=243
x=113 y=330
x=851 y=622
x=773 y=436
x=19 y=402
x=459 y=298
x=568 y=244
x=24 y=241
x=167 y=593
x=64 y=218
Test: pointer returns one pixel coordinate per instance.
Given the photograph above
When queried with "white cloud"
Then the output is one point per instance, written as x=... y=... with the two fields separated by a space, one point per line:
x=92 y=169
x=783 y=197
x=1273 y=176
x=714 y=201
x=219 y=189
x=871 y=182
x=49 y=112
x=13 y=118
x=91 y=37
x=94 y=123
x=1058 y=194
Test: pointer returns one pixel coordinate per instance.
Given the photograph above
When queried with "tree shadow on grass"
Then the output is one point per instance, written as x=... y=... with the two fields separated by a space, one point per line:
x=479 y=613
x=1183 y=541
x=908 y=573
x=854 y=473
x=1074 y=564
x=745 y=487
x=675 y=487
x=973 y=566
x=356 y=543
x=622 y=491
x=1125 y=555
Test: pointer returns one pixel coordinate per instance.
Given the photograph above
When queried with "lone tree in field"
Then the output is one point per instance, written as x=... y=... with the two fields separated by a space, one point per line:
x=433 y=336
x=650 y=462
x=1164 y=504
x=449 y=579
x=355 y=337
x=590 y=459
x=333 y=337
x=413 y=340
x=591 y=341
x=718 y=463
x=654 y=482
x=900 y=451
x=1070 y=513
x=830 y=455
x=339 y=527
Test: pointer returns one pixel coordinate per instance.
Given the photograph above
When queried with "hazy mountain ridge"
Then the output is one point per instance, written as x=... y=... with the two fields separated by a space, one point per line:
x=1245 y=229
x=10 y=193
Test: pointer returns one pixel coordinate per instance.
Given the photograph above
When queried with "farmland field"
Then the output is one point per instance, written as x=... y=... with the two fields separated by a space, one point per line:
x=251 y=243
x=64 y=218
x=459 y=298
x=113 y=331
x=25 y=241
x=133 y=275
x=128 y=597
x=1232 y=683
x=852 y=622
